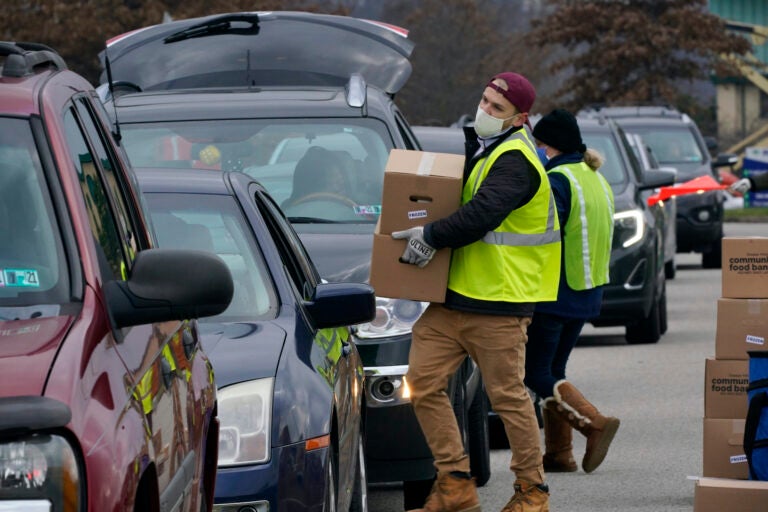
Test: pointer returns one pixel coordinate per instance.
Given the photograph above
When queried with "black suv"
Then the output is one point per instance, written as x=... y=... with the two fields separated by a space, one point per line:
x=281 y=95
x=636 y=294
x=677 y=142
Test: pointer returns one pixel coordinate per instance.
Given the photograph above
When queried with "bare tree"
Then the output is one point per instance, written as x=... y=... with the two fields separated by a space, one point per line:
x=633 y=51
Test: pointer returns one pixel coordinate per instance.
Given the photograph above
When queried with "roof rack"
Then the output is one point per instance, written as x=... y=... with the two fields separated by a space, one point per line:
x=24 y=59
x=637 y=111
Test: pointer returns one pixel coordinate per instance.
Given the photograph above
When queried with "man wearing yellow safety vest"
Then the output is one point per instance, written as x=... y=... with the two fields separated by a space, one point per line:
x=585 y=208
x=506 y=257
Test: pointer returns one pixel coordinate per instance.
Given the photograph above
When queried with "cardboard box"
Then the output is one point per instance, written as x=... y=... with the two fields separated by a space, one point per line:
x=745 y=267
x=419 y=187
x=742 y=325
x=719 y=494
x=725 y=388
x=724 y=455
x=396 y=280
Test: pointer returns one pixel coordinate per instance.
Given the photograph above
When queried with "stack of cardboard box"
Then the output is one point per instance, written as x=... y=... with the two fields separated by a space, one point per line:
x=419 y=187
x=742 y=326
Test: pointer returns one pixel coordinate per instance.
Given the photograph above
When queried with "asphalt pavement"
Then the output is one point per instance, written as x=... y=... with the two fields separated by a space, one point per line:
x=657 y=392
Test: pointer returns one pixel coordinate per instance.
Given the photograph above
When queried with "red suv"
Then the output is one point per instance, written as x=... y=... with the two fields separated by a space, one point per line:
x=106 y=400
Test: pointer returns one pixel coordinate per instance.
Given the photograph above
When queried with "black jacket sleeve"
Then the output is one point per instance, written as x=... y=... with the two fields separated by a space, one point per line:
x=510 y=184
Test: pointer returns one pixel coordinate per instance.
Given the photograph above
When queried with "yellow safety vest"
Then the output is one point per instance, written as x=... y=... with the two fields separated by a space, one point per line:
x=519 y=261
x=588 y=232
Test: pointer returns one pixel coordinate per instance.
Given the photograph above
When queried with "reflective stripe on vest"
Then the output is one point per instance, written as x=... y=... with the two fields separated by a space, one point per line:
x=519 y=261
x=587 y=248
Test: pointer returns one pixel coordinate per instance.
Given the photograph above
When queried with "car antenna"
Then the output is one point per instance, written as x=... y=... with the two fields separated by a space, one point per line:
x=116 y=134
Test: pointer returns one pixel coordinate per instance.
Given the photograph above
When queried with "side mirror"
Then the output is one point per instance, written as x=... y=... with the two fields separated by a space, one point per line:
x=725 y=160
x=338 y=304
x=655 y=178
x=170 y=284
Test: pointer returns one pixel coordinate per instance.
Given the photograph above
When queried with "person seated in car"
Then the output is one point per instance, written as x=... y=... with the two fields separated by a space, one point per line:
x=319 y=176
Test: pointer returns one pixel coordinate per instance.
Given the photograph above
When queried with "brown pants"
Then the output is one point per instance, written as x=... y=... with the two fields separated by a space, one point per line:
x=441 y=340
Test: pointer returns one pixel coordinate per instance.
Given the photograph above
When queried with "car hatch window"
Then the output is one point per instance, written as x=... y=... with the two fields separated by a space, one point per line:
x=106 y=235
x=33 y=266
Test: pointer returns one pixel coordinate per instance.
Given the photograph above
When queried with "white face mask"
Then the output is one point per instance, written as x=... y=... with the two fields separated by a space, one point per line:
x=486 y=125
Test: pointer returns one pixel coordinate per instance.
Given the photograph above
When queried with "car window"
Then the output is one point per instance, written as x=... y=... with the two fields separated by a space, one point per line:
x=113 y=181
x=106 y=236
x=33 y=267
x=672 y=145
x=215 y=223
x=292 y=251
x=613 y=168
x=283 y=156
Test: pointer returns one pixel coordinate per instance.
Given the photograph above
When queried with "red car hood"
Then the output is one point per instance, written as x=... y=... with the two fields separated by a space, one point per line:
x=27 y=349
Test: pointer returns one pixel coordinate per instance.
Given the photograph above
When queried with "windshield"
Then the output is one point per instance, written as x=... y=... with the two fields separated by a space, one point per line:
x=33 y=269
x=671 y=145
x=605 y=144
x=328 y=171
x=215 y=223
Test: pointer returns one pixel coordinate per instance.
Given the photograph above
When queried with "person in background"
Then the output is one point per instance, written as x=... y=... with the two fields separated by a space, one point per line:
x=756 y=183
x=506 y=257
x=585 y=209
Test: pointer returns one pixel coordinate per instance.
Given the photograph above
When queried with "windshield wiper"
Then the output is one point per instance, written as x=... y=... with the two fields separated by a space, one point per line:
x=218 y=25
x=314 y=220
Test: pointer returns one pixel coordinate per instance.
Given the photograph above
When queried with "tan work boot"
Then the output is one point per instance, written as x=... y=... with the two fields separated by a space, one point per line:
x=452 y=494
x=528 y=497
x=584 y=417
x=558 y=440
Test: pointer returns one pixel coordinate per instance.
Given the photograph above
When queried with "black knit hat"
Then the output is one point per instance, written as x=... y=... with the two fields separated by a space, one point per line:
x=560 y=130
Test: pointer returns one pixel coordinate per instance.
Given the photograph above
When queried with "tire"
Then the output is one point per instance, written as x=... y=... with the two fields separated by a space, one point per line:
x=359 y=501
x=648 y=330
x=478 y=448
x=713 y=258
x=415 y=493
x=663 y=325
x=670 y=269
x=329 y=503
x=497 y=436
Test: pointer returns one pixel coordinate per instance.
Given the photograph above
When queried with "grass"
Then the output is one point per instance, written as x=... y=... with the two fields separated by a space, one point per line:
x=746 y=215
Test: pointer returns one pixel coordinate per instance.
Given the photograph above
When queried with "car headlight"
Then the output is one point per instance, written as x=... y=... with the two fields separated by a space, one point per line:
x=39 y=472
x=628 y=227
x=393 y=317
x=245 y=414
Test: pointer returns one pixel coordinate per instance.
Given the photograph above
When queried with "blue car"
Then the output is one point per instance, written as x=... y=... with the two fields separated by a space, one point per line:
x=289 y=377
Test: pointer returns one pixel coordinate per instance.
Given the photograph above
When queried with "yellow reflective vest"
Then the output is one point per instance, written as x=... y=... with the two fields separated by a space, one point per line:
x=519 y=261
x=588 y=232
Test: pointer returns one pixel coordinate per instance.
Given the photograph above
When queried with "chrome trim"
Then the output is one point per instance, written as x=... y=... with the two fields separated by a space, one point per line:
x=259 y=506
x=25 y=506
x=386 y=371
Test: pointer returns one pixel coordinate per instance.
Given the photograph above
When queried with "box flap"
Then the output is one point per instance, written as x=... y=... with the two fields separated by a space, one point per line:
x=423 y=163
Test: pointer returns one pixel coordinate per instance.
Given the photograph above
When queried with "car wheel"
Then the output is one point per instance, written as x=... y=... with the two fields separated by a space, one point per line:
x=647 y=330
x=330 y=484
x=479 y=440
x=663 y=312
x=713 y=258
x=360 y=486
x=670 y=269
x=497 y=436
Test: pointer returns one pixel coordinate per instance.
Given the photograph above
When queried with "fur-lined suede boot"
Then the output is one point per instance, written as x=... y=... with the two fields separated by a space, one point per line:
x=584 y=417
x=558 y=440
